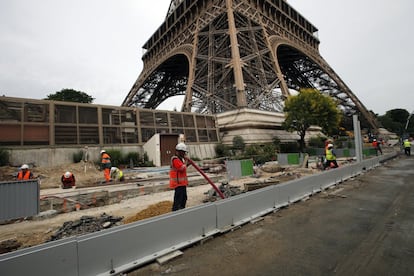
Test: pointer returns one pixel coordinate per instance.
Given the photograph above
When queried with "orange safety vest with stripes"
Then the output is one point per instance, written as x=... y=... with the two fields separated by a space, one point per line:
x=26 y=176
x=105 y=158
x=178 y=173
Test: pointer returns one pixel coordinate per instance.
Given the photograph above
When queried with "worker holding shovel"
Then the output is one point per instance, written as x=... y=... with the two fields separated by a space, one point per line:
x=178 y=176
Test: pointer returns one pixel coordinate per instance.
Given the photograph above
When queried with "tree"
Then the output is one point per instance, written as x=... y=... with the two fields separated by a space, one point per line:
x=395 y=120
x=308 y=108
x=70 y=95
x=238 y=143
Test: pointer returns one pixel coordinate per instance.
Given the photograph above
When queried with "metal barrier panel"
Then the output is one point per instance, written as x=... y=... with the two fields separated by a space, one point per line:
x=19 y=199
x=239 y=168
x=234 y=170
x=242 y=208
x=127 y=246
x=54 y=258
x=290 y=158
x=295 y=190
x=246 y=167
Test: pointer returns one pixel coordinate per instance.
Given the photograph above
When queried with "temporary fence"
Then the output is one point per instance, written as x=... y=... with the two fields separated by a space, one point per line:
x=19 y=199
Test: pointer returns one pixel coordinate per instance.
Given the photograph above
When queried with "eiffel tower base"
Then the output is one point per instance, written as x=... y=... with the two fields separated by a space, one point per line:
x=256 y=127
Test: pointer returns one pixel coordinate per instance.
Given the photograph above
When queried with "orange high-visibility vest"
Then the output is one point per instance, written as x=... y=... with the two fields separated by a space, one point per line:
x=178 y=173
x=26 y=176
x=105 y=158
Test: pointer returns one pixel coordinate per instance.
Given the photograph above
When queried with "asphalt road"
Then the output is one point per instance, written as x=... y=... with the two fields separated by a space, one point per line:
x=365 y=226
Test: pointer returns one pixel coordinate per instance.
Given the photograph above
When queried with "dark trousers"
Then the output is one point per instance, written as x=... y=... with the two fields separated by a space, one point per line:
x=407 y=151
x=180 y=198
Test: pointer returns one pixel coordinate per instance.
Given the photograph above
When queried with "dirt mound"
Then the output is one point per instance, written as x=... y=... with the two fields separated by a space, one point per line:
x=157 y=209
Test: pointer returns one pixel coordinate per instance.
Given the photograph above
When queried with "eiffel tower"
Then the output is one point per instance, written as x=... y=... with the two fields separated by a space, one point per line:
x=224 y=55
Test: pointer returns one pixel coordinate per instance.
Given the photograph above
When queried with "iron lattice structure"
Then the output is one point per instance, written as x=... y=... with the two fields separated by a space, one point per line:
x=226 y=55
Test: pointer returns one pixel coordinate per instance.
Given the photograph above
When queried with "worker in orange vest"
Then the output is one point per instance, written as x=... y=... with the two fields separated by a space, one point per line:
x=178 y=177
x=106 y=165
x=68 y=180
x=24 y=173
x=377 y=146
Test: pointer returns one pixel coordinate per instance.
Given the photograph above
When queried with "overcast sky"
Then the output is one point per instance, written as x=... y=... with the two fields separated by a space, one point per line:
x=94 y=46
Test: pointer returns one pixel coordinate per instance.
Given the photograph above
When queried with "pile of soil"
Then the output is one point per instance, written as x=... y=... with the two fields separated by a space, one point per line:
x=153 y=210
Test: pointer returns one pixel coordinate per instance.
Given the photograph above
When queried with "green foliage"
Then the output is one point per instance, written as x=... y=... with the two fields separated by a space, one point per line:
x=289 y=147
x=132 y=159
x=252 y=150
x=70 y=95
x=222 y=150
x=395 y=121
x=116 y=157
x=276 y=143
x=317 y=142
x=398 y=115
x=238 y=143
x=4 y=157
x=308 y=108
x=77 y=156
x=269 y=153
x=261 y=153
x=129 y=159
x=146 y=162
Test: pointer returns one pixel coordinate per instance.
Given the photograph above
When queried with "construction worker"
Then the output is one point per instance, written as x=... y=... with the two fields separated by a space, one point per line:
x=106 y=165
x=330 y=157
x=178 y=176
x=24 y=173
x=407 y=147
x=327 y=142
x=68 y=180
x=377 y=146
x=117 y=174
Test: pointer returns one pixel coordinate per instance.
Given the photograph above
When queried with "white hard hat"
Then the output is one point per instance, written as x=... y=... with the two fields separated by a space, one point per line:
x=330 y=146
x=25 y=167
x=113 y=169
x=67 y=174
x=181 y=147
x=102 y=151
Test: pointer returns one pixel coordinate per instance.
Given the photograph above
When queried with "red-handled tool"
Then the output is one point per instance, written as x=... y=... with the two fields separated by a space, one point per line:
x=206 y=177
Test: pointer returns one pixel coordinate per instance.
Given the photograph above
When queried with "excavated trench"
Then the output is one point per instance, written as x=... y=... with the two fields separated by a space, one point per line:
x=84 y=198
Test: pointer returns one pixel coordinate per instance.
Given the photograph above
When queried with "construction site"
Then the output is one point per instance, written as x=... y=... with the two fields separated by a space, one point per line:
x=90 y=208
x=235 y=62
x=144 y=193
